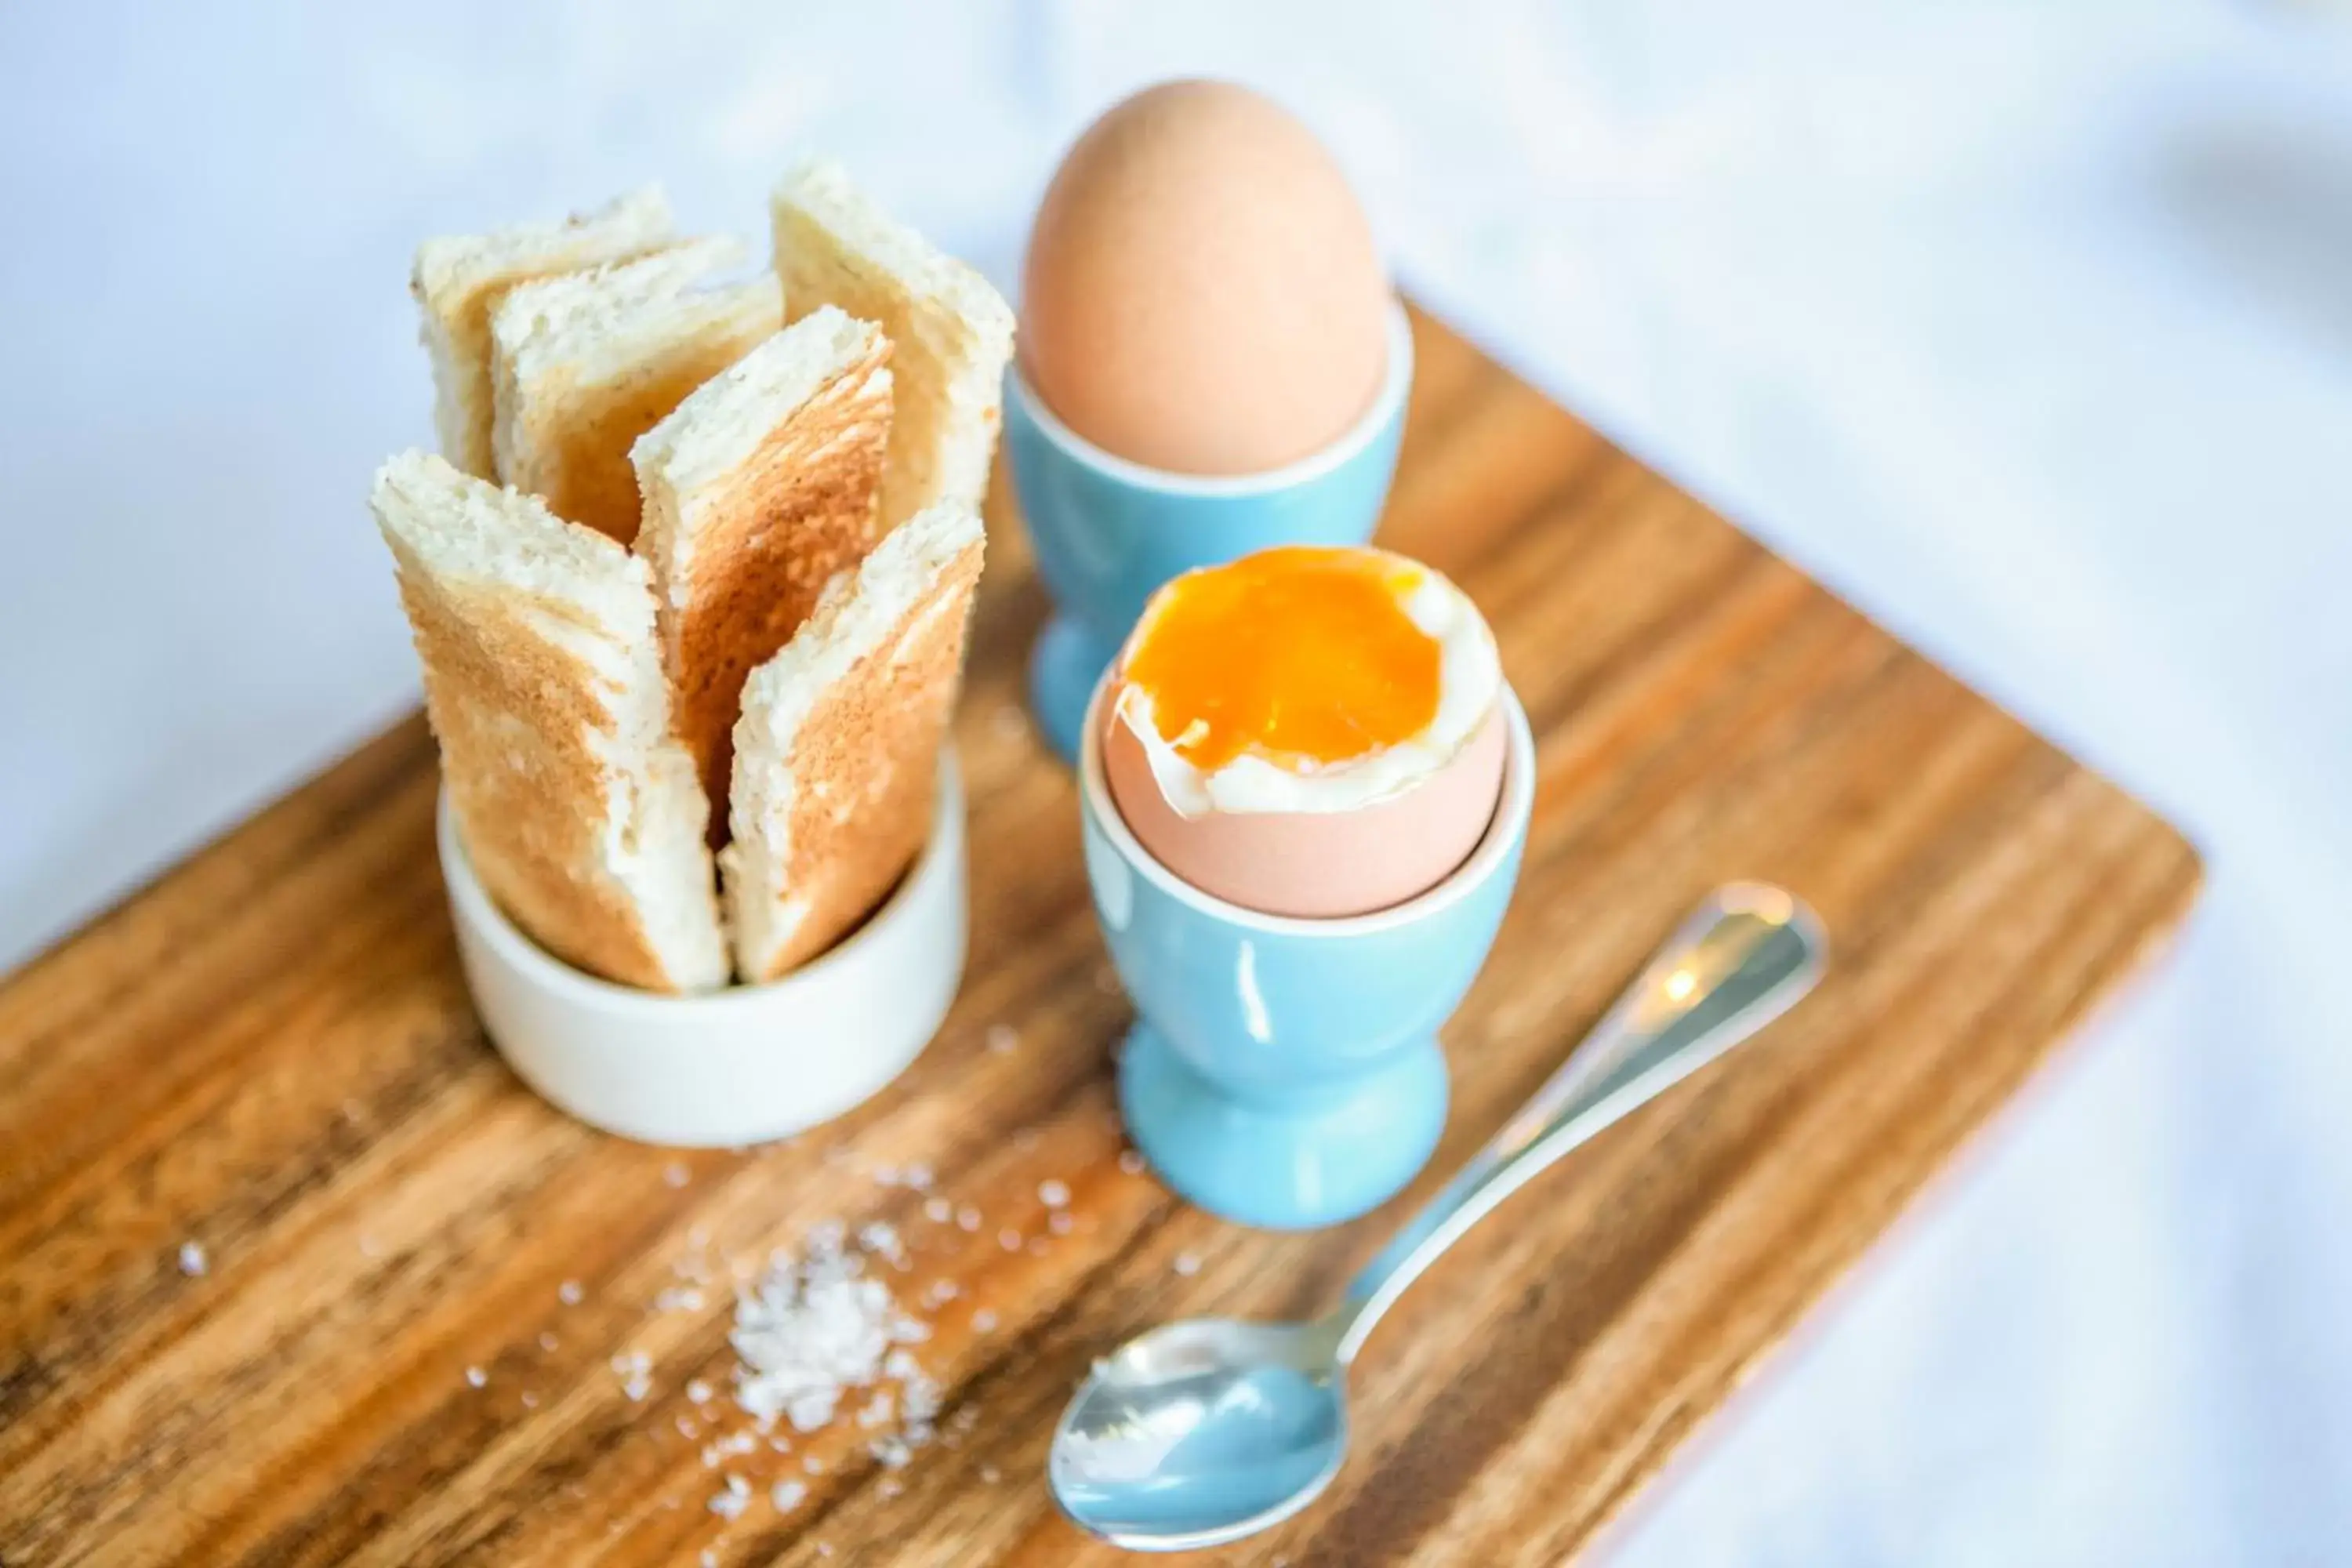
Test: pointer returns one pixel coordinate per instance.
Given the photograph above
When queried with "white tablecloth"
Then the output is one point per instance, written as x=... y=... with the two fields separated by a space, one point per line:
x=2027 y=326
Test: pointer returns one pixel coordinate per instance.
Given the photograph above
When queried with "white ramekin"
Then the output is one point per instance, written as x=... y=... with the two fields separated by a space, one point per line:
x=733 y=1066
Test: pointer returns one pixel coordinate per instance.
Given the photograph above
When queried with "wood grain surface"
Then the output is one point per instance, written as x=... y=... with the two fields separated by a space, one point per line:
x=270 y=1055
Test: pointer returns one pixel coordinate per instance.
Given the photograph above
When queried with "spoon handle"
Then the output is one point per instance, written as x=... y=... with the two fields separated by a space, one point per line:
x=1742 y=959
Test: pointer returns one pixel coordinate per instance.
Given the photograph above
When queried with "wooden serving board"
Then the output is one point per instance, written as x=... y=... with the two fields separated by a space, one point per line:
x=270 y=1054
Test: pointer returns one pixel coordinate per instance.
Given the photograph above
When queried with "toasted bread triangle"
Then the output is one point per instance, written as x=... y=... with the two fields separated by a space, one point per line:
x=950 y=333
x=580 y=811
x=758 y=490
x=584 y=363
x=459 y=280
x=836 y=752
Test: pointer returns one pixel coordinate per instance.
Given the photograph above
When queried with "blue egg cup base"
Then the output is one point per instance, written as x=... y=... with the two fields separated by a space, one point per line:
x=1063 y=668
x=1292 y=1164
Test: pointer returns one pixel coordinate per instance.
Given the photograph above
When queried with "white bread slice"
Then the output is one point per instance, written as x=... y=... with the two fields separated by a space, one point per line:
x=580 y=812
x=757 y=490
x=459 y=280
x=950 y=333
x=836 y=752
x=584 y=364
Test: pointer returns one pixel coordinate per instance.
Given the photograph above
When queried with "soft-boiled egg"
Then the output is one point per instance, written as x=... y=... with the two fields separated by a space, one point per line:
x=1307 y=731
x=1202 y=293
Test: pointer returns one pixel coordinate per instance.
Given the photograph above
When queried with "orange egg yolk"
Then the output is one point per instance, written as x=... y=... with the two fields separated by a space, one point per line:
x=1303 y=655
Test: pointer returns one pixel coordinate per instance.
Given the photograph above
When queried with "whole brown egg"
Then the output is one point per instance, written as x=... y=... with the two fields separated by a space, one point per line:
x=1202 y=293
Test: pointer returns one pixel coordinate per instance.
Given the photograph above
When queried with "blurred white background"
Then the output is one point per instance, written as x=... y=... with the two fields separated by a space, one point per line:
x=2026 y=325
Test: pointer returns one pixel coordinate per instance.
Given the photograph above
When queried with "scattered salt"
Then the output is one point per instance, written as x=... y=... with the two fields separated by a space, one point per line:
x=193 y=1262
x=984 y=1321
x=1059 y=1222
x=920 y=1177
x=687 y=1428
x=1130 y=1162
x=1187 y=1263
x=891 y=1453
x=730 y=1503
x=788 y=1496
x=477 y=1377
x=568 y=1293
x=677 y=1299
x=991 y=1474
x=677 y=1175
x=1054 y=1195
x=888 y=1489
x=1001 y=1038
x=530 y=1400
x=546 y=1341
x=1009 y=1239
x=968 y=1218
x=938 y=1210
x=812 y=1464
x=810 y=1330
x=699 y=1392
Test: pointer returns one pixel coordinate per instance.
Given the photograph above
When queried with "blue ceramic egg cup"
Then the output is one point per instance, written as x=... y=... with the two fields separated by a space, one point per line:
x=1108 y=532
x=1285 y=1072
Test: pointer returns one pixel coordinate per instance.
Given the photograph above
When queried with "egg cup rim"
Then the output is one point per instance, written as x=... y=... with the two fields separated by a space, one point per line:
x=1506 y=830
x=1387 y=405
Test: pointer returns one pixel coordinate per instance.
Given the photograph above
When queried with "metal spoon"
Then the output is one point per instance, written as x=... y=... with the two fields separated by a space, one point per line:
x=1202 y=1432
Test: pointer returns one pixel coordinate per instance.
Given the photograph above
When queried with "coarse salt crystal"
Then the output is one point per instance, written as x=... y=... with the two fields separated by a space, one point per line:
x=730 y=1503
x=920 y=1177
x=1009 y=1239
x=1054 y=1195
x=476 y=1377
x=888 y=1489
x=938 y=1210
x=1059 y=1222
x=788 y=1496
x=1187 y=1263
x=991 y=1474
x=530 y=1400
x=1130 y=1162
x=546 y=1341
x=699 y=1392
x=193 y=1262
x=967 y=1218
x=568 y=1293
x=982 y=1322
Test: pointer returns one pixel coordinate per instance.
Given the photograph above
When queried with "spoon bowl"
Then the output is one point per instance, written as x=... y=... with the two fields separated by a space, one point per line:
x=1199 y=1433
